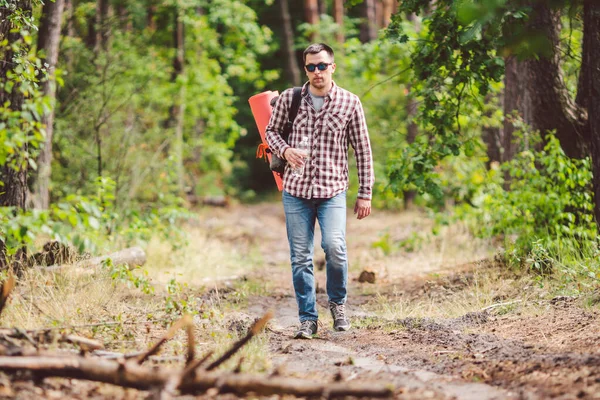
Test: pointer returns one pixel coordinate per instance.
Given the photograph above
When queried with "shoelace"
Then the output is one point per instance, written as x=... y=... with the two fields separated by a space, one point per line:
x=306 y=325
x=339 y=310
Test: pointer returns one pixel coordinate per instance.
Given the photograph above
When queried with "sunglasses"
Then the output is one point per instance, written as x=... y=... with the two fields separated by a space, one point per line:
x=319 y=66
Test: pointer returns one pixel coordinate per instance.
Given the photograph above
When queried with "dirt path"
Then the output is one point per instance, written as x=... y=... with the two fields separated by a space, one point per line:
x=546 y=348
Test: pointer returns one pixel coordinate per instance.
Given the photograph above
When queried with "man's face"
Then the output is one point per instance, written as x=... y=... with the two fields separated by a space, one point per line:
x=319 y=79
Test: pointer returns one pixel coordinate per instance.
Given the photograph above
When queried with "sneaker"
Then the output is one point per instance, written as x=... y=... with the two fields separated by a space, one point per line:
x=307 y=330
x=338 y=313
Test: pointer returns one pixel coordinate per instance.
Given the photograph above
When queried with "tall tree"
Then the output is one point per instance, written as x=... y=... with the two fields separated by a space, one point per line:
x=591 y=49
x=368 y=26
x=48 y=40
x=13 y=172
x=311 y=14
x=530 y=29
x=292 y=72
x=102 y=26
x=338 y=18
x=552 y=107
x=388 y=8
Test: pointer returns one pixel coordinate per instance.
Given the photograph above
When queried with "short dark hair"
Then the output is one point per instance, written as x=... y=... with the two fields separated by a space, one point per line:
x=316 y=48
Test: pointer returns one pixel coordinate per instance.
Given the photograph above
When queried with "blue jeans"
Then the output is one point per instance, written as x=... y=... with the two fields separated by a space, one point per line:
x=300 y=216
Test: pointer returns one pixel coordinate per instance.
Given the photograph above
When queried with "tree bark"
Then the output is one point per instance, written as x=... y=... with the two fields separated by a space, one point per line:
x=322 y=7
x=411 y=135
x=552 y=106
x=311 y=13
x=292 y=72
x=13 y=193
x=368 y=26
x=48 y=41
x=130 y=374
x=387 y=11
x=338 y=18
x=102 y=26
x=591 y=22
x=517 y=99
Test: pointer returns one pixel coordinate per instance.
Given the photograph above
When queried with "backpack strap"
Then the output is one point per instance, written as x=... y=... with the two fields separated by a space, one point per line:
x=295 y=104
x=296 y=98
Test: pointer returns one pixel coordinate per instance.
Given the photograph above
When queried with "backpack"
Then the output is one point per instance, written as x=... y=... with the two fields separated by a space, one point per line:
x=277 y=163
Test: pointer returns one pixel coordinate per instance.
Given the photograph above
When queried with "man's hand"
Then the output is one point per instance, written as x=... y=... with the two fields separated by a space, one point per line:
x=295 y=157
x=362 y=209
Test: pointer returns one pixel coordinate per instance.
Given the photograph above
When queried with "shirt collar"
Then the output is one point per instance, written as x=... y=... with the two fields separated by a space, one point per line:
x=330 y=94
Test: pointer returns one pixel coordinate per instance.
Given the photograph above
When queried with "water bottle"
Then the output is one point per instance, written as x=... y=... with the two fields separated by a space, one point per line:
x=304 y=145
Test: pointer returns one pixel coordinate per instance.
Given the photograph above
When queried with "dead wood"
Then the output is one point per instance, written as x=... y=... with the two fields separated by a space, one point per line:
x=185 y=321
x=132 y=257
x=130 y=374
x=254 y=330
x=84 y=343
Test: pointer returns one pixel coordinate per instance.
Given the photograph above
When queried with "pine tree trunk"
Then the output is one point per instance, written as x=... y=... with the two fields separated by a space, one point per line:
x=552 y=108
x=177 y=110
x=292 y=72
x=368 y=26
x=516 y=99
x=387 y=11
x=311 y=12
x=591 y=22
x=102 y=26
x=14 y=190
x=338 y=18
x=48 y=41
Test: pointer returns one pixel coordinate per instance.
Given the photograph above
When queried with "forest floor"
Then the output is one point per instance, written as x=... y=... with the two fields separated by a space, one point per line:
x=442 y=320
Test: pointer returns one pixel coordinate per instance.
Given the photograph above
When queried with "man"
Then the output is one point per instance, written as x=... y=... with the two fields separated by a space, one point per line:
x=331 y=118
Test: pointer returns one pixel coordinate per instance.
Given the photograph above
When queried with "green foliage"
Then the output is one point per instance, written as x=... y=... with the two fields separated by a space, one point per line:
x=91 y=223
x=131 y=277
x=540 y=203
x=21 y=131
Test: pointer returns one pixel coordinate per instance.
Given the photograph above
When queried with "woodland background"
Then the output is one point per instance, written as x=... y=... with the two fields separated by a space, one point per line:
x=117 y=117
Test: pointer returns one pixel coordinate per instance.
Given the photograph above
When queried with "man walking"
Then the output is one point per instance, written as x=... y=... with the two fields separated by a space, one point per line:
x=316 y=180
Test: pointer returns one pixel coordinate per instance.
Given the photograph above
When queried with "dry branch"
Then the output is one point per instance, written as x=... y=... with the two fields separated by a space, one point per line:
x=254 y=330
x=184 y=321
x=132 y=256
x=131 y=375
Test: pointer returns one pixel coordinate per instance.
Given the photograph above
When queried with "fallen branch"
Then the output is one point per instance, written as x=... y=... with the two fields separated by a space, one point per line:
x=185 y=321
x=254 y=330
x=132 y=257
x=500 y=305
x=131 y=375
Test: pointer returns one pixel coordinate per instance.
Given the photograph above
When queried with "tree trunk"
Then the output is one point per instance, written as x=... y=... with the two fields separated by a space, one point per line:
x=150 y=18
x=311 y=13
x=411 y=135
x=48 y=40
x=591 y=23
x=125 y=22
x=338 y=18
x=517 y=99
x=387 y=11
x=322 y=7
x=552 y=107
x=102 y=26
x=368 y=26
x=177 y=109
x=292 y=72
x=492 y=136
x=13 y=193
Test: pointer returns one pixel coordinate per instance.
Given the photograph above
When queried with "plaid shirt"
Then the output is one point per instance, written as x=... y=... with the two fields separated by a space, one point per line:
x=339 y=121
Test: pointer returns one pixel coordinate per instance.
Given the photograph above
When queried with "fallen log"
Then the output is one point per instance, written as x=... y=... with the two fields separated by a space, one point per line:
x=132 y=257
x=132 y=375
